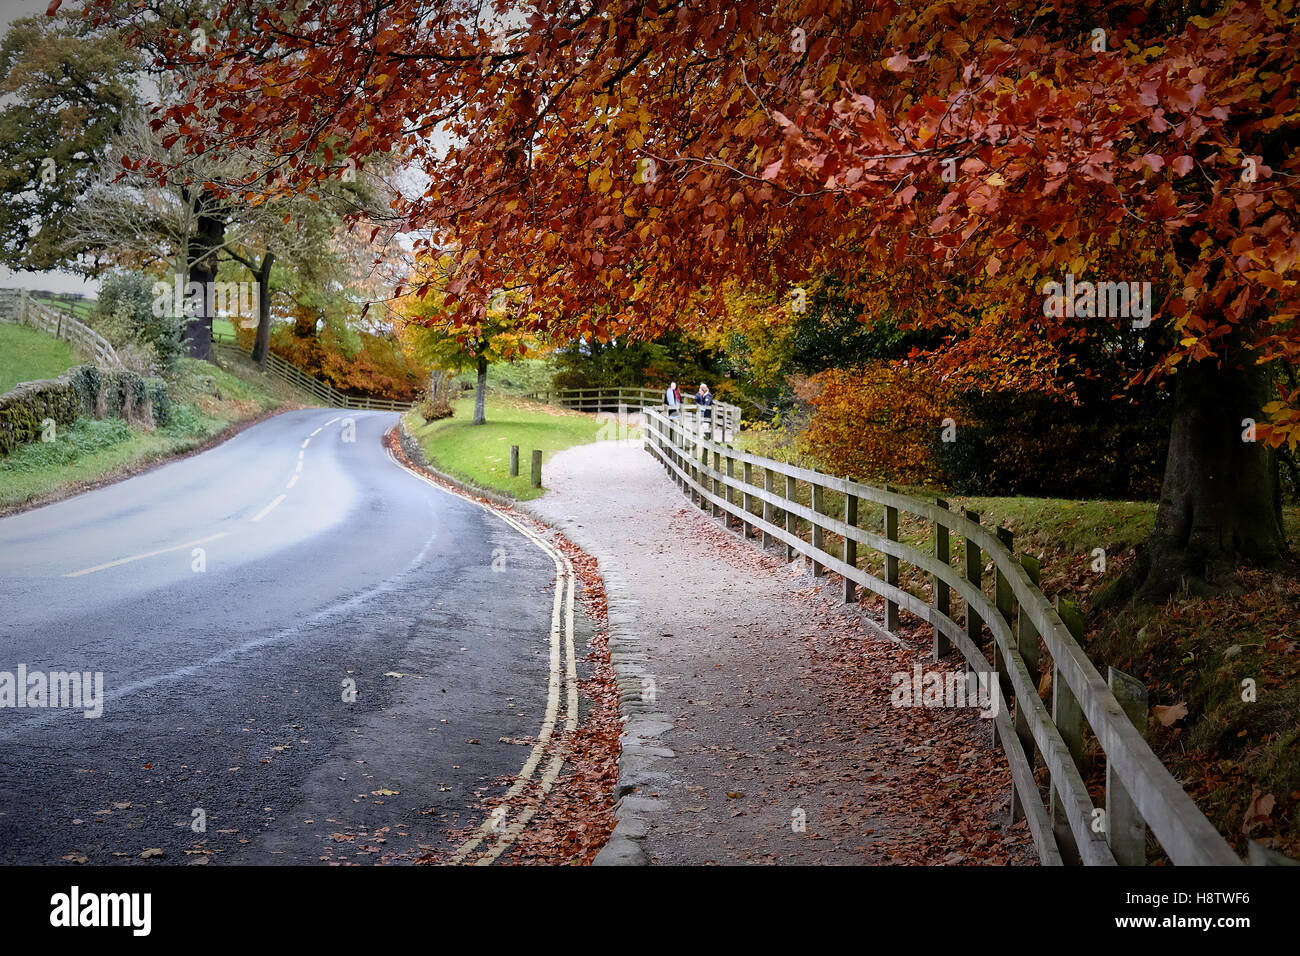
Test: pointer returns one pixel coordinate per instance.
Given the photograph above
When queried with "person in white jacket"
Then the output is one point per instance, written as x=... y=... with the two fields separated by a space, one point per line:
x=673 y=399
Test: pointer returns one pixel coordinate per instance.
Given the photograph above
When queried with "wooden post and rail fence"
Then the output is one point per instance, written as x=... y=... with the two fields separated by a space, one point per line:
x=323 y=392
x=1049 y=746
x=723 y=418
x=18 y=306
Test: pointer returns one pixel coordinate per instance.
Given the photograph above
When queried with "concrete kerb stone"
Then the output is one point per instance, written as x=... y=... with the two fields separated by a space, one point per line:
x=642 y=722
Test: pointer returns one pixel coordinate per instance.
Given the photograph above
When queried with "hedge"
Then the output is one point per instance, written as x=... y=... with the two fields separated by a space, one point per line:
x=82 y=390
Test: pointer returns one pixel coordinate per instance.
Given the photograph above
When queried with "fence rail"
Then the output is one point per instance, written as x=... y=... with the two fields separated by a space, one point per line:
x=1140 y=793
x=286 y=371
x=17 y=306
x=724 y=418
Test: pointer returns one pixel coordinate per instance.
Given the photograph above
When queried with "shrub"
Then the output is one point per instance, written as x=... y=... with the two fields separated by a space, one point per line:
x=431 y=409
x=125 y=315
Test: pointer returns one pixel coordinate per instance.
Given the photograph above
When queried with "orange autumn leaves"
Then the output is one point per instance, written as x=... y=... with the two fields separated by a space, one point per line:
x=880 y=422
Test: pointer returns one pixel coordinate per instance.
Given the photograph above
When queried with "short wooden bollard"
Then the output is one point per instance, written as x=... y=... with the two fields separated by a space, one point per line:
x=537 y=468
x=514 y=461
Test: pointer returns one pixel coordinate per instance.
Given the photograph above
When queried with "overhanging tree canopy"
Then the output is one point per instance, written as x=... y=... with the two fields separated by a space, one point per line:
x=623 y=161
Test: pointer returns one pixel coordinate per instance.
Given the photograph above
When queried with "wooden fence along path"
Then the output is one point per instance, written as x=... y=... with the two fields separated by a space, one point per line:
x=724 y=419
x=17 y=306
x=286 y=371
x=762 y=496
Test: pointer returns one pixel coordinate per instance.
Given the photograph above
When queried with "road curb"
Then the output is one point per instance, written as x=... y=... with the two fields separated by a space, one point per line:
x=640 y=753
x=641 y=723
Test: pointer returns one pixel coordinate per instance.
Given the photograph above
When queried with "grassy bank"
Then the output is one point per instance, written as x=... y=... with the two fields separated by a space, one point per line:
x=481 y=453
x=27 y=355
x=206 y=400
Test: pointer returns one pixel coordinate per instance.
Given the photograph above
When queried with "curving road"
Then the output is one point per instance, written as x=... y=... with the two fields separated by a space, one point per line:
x=227 y=599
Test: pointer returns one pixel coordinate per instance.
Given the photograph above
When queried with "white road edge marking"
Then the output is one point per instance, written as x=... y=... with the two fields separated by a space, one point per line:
x=293 y=481
x=307 y=442
x=147 y=554
x=564 y=577
x=267 y=510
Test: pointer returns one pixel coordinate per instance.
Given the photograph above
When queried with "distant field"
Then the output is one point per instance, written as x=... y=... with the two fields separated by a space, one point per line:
x=83 y=309
x=26 y=355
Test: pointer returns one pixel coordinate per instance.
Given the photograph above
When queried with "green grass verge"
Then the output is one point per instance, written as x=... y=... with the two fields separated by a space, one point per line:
x=28 y=354
x=206 y=400
x=481 y=453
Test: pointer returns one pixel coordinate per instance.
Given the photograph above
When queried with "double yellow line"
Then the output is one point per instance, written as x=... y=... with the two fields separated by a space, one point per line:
x=495 y=834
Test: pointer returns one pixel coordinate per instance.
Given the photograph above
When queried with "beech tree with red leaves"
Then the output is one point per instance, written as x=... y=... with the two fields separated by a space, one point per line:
x=619 y=162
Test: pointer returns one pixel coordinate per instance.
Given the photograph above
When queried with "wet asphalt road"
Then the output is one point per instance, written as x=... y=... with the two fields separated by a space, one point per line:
x=224 y=687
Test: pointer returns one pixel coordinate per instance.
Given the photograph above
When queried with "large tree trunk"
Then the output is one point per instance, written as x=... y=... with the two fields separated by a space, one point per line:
x=480 y=392
x=1220 y=502
x=203 y=270
x=262 y=342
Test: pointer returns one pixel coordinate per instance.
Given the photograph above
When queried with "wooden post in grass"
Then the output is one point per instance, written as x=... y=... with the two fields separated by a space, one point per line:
x=514 y=461
x=537 y=468
x=942 y=596
x=1126 y=831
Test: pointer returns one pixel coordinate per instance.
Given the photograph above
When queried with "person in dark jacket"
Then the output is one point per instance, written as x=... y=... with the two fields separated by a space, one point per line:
x=704 y=402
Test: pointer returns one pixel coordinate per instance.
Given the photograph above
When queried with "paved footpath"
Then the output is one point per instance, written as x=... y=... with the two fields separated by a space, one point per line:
x=759 y=721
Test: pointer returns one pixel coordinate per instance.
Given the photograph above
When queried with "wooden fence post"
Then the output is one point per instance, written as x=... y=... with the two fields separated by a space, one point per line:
x=942 y=595
x=1126 y=831
x=891 y=566
x=974 y=573
x=537 y=468
x=791 y=522
x=1027 y=645
x=1006 y=605
x=818 y=534
x=717 y=484
x=1067 y=715
x=850 y=548
x=731 y=495
x=704 y=478
x=514 y=461
x=768 y=485
x=746 y=503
